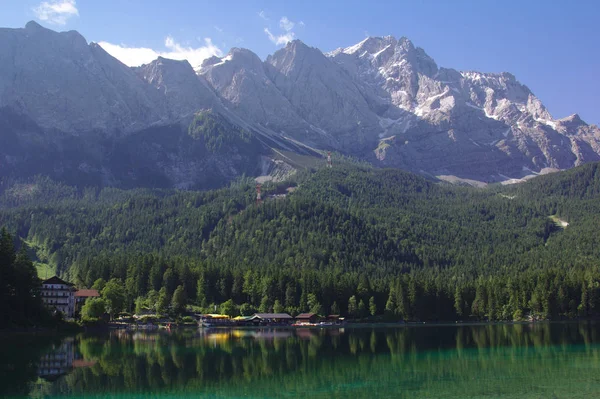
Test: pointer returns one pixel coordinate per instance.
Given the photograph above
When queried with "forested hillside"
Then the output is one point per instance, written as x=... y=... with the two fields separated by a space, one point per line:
x=20 y=303
x=351 y=239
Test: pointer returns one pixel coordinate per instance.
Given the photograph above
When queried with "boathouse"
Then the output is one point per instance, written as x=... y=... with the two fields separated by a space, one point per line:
x=307 y=318
x=271 y=319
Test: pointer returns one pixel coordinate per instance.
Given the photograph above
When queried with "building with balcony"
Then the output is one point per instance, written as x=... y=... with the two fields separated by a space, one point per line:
x=59 y=295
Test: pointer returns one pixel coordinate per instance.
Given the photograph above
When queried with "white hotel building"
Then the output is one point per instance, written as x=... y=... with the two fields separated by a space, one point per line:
x=59 y=295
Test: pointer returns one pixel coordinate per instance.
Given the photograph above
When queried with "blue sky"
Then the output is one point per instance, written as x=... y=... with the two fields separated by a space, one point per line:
x=552 y=46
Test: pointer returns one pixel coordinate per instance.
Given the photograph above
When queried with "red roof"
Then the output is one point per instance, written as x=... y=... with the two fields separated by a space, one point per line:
x=84 y=363
x=87 y=293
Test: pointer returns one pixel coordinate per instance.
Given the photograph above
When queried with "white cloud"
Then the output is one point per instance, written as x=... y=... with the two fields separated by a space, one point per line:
x=288 y=34
x=280 y=40
x=218 y=29
x=136 y=56
x=56 y=12
x=286 y=24
x=263 y=15
x=131 y=56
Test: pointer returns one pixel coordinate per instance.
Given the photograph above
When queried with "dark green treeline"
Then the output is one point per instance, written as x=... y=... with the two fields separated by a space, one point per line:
x=20 y=302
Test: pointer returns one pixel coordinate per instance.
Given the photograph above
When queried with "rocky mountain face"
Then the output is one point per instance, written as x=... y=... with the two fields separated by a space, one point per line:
x=469 y=124
x=176 y=81
x=241 y=80
x=63 y=83
x=69 y=109
x=324 y=94
x=387 y=101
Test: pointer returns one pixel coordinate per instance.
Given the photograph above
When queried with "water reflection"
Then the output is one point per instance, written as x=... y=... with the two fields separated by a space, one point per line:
x=58 y=361
x=538 y=360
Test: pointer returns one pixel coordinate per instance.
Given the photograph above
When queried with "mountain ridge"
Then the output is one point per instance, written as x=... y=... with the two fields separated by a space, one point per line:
x=467 y=103
x=383 y=100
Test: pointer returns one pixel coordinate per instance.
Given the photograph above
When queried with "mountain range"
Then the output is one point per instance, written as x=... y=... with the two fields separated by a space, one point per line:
x=73 y=112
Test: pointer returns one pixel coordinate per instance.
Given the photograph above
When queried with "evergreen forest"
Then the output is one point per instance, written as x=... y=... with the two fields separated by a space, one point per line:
x=352 y=240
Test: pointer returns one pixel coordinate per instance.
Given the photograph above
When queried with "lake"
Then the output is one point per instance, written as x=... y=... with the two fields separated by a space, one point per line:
x=544 y=360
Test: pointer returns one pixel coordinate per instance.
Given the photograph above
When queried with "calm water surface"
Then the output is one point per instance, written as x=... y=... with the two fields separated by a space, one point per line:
x=484 y=361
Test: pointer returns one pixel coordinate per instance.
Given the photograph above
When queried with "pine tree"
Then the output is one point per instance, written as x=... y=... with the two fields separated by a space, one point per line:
x=372 y=306
x=335 y=309
x=265 y=305
x=362 y=309
x=352 y=307
x=290 y=296
x=162 y=304
x=179 y=300
x=390 y=305
x=201 y=290
x=458 y=301
x=313 y=304
x=277 y=306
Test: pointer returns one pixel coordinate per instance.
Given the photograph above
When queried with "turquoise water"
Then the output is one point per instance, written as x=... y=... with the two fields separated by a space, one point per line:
x=560 y=360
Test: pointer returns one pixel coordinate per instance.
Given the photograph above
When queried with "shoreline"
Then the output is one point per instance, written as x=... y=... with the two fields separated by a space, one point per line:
x=113 y=327
x=409 y=324
x=367 y=325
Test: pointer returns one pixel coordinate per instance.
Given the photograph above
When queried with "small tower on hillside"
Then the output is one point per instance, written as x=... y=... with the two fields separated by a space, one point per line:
x=329 y=164
x=258 y=194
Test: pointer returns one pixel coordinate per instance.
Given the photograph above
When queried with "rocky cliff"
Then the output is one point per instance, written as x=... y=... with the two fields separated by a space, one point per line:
x=69 y=109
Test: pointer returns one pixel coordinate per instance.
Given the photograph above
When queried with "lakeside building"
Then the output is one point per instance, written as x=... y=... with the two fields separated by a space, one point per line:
x=216 y=320
x=307 y=318
x=59 y=295
x=271 y=319
x=82 y=295
x=257 y=319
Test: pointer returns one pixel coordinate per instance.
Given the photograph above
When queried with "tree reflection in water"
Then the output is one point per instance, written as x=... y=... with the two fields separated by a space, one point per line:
x=536 y=360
